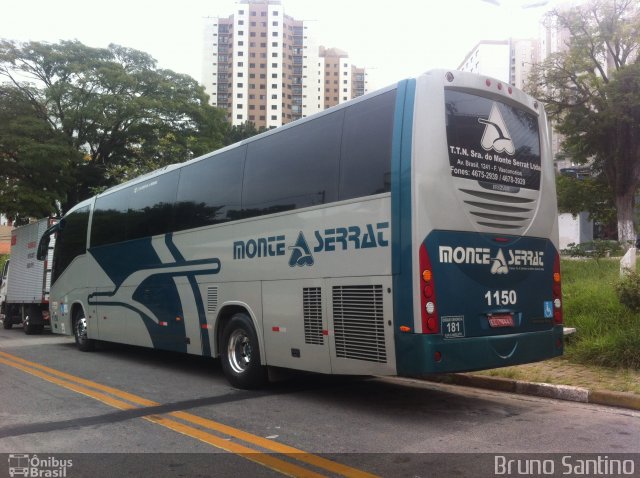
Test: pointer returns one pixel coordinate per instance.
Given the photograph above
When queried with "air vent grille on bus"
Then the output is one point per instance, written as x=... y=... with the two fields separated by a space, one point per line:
x=212 y=299
x=312 y=305
x=499 y=211
x=358 y=322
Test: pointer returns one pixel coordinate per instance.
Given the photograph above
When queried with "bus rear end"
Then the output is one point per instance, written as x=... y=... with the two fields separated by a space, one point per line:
x=481 y=236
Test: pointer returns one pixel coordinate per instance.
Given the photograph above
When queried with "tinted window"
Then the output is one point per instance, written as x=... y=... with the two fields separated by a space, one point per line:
x=492 y=142
x=209 y=190
x=150 y=210
x=71 y=240
x=365 y=167
x=109 y=218
x=293 y=169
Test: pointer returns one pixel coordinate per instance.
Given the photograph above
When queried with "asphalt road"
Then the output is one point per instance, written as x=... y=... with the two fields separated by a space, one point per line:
x=125 y=411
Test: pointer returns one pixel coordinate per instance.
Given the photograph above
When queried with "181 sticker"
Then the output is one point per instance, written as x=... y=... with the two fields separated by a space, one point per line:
x=453 y=326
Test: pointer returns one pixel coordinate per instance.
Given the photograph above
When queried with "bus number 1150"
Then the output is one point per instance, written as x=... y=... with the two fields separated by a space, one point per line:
x=501 y=297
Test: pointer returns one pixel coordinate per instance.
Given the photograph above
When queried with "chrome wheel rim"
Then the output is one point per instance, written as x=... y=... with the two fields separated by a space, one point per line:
x=81 y=330
x=239 y=351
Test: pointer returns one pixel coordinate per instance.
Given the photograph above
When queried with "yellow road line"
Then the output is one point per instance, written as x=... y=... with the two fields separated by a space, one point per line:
x=254 y=455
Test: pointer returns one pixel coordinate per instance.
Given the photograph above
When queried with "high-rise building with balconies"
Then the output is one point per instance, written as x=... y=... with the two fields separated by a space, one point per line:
x=264 y=66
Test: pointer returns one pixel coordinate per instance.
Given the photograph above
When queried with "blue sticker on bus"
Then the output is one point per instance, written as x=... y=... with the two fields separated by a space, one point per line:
x=548 y=309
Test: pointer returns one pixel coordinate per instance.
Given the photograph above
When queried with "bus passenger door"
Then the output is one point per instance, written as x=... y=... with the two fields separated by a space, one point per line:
x=295 y=325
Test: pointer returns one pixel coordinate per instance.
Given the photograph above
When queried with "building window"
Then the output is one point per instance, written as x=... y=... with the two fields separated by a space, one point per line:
x=275 y=24
x=274 y=107
x=275 y=43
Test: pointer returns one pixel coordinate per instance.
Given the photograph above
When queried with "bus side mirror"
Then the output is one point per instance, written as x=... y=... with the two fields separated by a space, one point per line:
x=43 y=245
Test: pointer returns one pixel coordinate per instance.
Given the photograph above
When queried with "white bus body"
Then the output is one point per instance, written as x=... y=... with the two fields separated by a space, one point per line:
x=410 y=231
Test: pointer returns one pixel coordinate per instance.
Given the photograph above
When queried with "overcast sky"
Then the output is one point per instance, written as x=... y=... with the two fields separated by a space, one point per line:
x=393 y=39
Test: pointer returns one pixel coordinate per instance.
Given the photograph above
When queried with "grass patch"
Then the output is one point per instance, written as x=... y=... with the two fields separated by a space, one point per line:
x=608 y=334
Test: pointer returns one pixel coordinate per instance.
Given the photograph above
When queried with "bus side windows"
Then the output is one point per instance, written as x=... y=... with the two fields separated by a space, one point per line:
x=71 y=241
x=293 y=169
x=150 y=206
x=209 y=190
x=365 y=167
x=109 y=218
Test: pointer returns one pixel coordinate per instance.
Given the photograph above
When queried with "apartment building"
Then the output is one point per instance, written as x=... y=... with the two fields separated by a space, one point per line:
x=264 y=66
x=509 y=61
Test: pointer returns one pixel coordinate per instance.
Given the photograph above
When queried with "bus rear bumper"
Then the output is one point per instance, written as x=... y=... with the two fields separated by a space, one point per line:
x=419 y=354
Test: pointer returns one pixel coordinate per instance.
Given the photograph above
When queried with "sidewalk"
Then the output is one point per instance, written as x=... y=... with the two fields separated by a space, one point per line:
x=558 y=379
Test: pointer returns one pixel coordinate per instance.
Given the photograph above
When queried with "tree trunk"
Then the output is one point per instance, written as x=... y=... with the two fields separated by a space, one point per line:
x=626 y=230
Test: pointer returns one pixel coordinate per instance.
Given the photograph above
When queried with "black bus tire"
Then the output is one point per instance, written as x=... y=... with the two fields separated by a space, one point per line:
x=83 y=343
x=240 y=354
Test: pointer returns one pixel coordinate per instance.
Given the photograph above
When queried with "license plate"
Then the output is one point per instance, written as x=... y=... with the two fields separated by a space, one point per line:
x=501 y=320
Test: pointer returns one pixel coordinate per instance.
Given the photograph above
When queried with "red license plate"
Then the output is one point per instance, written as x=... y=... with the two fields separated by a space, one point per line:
x=504 y=320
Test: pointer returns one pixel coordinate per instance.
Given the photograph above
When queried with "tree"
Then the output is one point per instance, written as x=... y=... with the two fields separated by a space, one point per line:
x=34 y=160
x=114 y=107
x=592 y=90
x=591 y=194
x=240 y=132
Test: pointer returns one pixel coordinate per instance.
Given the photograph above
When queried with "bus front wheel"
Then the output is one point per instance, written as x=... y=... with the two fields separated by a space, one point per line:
x=241 y=354
x=83 y=342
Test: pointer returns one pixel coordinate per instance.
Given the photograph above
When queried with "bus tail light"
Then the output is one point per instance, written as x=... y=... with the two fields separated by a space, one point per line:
x=557 y=292
x=429 y=310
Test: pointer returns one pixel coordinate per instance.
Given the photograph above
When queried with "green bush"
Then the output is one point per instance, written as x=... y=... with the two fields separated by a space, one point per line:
x=593 y=249
x=628 y=290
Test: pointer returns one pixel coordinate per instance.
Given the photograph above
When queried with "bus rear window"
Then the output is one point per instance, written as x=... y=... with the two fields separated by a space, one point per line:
x=491 y=142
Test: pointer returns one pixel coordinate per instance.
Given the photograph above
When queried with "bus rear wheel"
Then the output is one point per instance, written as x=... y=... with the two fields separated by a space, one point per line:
x=83 y=342
x=241 y=354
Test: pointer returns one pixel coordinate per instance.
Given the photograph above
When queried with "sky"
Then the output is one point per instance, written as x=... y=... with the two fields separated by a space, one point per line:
x=393 y=39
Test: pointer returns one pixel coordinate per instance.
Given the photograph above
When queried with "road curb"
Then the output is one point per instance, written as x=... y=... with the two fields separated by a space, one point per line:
x=546 y=390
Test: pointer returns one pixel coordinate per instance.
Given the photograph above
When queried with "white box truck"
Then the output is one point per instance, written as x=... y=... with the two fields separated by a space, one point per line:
x=26 y=281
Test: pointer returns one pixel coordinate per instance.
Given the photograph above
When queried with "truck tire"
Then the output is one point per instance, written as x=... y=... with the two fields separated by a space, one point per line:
x=7 y=322
x=29 y=327
x=83 y=343
x=241 y=354
x=30 y=324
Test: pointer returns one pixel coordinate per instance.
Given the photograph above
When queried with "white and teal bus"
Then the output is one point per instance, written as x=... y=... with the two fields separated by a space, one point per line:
x=409 y=231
